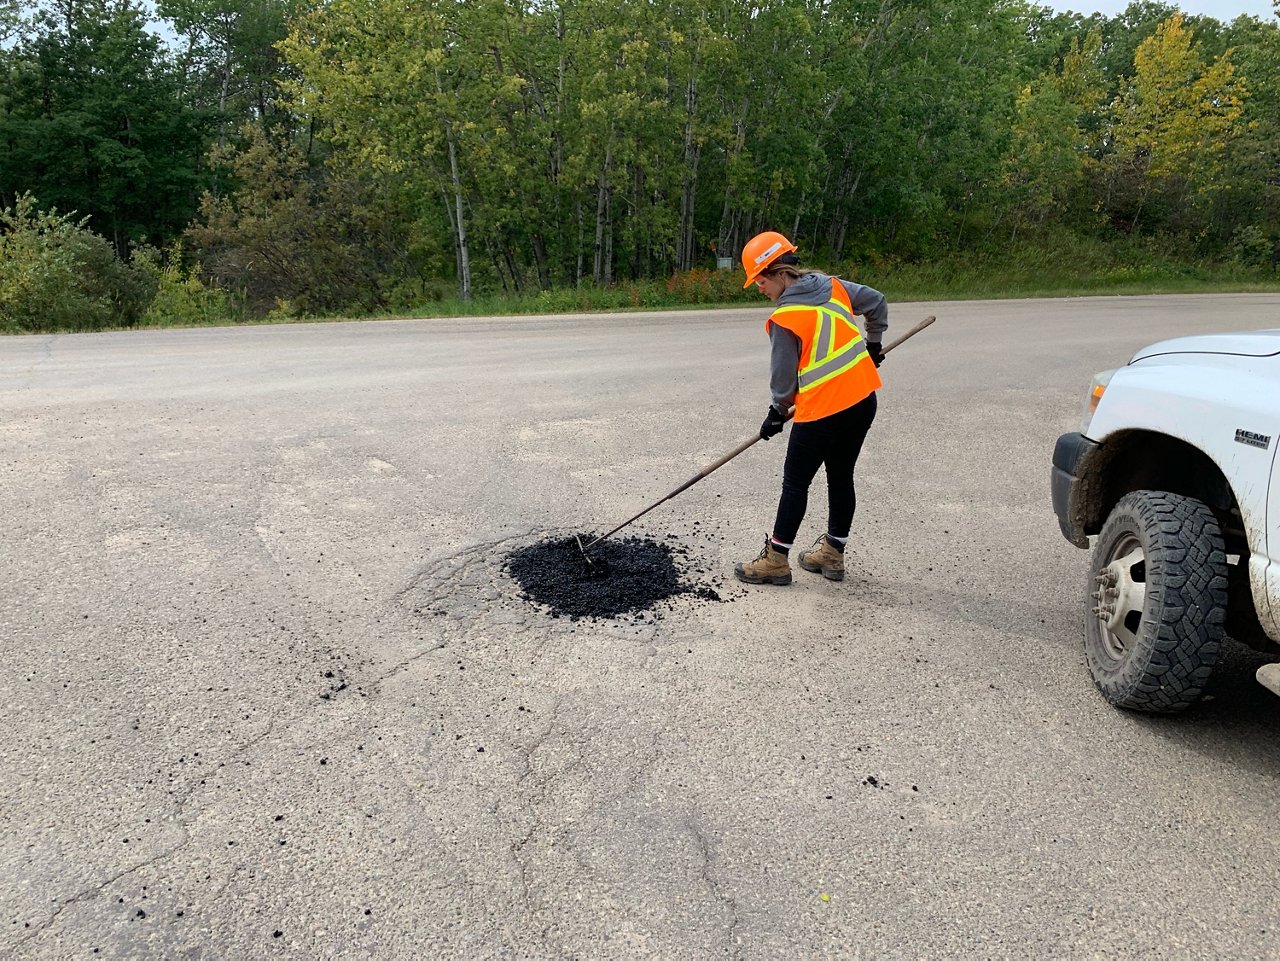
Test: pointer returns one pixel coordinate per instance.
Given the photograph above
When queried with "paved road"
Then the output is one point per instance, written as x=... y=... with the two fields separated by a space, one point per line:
x=269 y=694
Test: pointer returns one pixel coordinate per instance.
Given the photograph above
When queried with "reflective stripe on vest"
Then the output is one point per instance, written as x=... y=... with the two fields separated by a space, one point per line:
x=831 y=347
x=825 y=363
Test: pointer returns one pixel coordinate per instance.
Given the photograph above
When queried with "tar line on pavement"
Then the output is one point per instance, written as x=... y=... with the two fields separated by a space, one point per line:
x=625 y=576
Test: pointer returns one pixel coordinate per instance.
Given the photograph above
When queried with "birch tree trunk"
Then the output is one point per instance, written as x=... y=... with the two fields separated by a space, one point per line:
x=582 y=230
x=689 y=182
x=600 y=269
x=727 y=240
x=459 y=223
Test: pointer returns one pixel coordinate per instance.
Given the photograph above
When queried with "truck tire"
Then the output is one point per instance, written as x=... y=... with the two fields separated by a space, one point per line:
x=1158 y=600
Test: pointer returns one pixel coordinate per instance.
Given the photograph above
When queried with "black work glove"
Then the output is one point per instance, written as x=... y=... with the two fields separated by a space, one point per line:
x=877 y=355
x=773 y=422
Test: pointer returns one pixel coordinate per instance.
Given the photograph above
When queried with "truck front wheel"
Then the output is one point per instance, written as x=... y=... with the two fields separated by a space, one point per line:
x=1157 y=602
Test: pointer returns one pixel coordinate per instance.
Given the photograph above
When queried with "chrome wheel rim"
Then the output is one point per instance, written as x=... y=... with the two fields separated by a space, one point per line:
x=1121 y=597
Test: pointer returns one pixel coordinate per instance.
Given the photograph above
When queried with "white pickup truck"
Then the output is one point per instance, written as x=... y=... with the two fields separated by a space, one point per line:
x=1174 y=474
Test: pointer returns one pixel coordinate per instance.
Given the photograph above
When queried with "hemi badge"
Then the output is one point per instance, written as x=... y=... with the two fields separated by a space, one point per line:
x=1253 y=440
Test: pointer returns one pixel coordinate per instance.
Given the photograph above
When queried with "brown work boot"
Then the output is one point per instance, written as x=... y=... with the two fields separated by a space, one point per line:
x=771 y=567
x=824 y=558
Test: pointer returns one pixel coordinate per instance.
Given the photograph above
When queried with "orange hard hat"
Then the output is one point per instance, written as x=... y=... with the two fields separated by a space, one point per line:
x=762 y=250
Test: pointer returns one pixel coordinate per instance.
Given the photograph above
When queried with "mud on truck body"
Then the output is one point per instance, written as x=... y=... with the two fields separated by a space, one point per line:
x=1173 y=474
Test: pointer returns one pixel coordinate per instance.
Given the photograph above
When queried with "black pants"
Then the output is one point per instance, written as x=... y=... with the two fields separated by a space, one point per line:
x=835 y=441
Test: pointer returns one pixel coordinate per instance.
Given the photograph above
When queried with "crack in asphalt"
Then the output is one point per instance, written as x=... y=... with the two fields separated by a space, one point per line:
x=438 y=588
x=434 y=586
x=177 y=819
x=93 y=891
x=406 y=664
x=462 y=589
x=466 y=555
x=734 y=949
x=236 y=754
x=530 y=806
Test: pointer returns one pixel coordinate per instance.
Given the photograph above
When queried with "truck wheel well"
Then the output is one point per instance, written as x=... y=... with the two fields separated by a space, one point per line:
x=1145 y=460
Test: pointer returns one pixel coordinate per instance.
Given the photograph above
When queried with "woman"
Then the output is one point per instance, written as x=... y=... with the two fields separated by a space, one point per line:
x=823 y=366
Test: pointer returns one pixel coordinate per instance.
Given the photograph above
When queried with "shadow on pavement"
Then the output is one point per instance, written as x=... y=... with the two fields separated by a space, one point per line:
x=1237 y=721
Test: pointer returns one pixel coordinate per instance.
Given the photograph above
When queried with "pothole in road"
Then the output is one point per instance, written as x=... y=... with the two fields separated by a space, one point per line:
x=517 y=582
x=625 y=576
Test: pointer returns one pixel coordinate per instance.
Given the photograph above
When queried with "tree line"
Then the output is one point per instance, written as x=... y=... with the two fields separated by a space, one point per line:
x=325 y=155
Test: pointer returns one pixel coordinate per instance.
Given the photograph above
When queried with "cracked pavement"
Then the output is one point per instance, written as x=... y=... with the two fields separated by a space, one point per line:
x=270 y=693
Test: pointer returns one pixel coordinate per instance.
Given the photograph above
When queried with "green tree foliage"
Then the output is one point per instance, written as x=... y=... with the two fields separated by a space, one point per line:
x=921 y=136
x=1171 y=128
x=55 y=274
x=1248 y=213
x=228 y=56
x=586 y=139
x=359 y=154
x=181 y=295
x=1122 y=35
x=286 y=239
x=94 y=121
x=390 y=81
x=1057 y=117
x=10 y=20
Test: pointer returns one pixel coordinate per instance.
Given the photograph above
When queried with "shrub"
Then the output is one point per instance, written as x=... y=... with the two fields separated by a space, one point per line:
x=1251 y=247
x=317 y=242
x=124 y=288
x=181 y=297
x=703 y=286
x=56 y=274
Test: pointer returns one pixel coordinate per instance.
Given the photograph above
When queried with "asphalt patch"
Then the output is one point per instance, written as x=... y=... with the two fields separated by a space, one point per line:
x=624 y=576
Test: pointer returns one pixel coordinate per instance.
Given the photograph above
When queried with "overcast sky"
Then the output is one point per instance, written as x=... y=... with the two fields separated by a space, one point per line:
x=1224 y=10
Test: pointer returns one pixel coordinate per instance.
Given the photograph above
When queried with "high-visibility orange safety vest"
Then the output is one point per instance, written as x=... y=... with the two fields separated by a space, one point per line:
x=835 y=369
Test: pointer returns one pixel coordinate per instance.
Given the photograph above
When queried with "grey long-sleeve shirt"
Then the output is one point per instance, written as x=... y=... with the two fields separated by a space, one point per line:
x=814 y=290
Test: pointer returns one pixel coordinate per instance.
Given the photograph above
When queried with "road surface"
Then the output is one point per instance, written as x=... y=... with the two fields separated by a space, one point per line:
x=269 y=692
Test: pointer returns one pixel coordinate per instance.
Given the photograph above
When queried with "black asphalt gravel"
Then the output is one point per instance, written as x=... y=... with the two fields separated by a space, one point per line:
x=624 y=576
